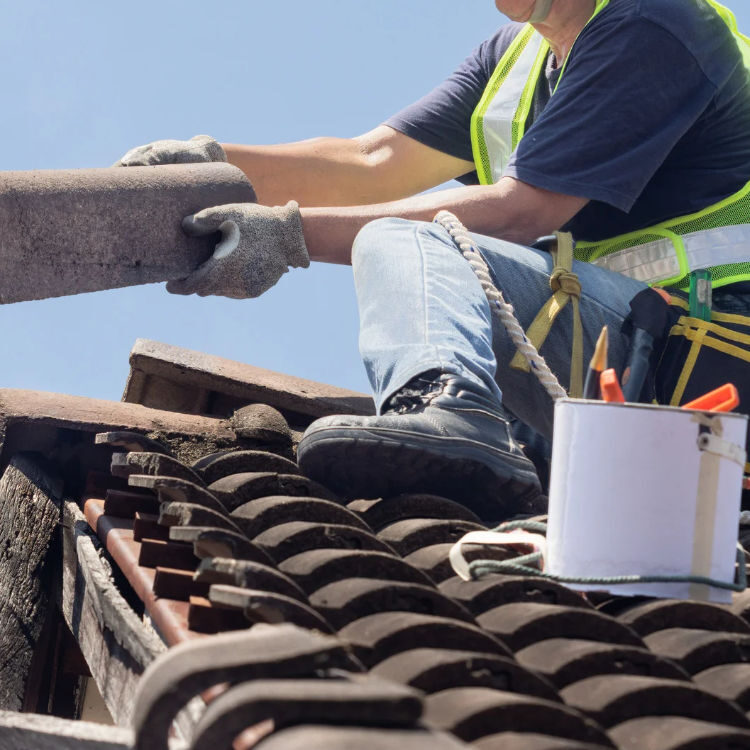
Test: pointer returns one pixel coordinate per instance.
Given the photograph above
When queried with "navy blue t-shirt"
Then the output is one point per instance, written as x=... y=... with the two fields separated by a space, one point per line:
x=651 y=119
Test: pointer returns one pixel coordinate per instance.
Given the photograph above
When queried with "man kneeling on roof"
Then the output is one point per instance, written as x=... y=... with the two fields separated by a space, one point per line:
x=603 y=118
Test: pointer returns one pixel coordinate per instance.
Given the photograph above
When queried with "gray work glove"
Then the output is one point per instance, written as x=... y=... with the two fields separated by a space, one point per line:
x=200 y=148
x=258 y=245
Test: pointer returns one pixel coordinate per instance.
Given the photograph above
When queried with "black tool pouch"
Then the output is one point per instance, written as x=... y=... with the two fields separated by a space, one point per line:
x=701 y=355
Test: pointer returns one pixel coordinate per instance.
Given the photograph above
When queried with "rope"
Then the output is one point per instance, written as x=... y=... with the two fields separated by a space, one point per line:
x=522 y=566
x=502 y=309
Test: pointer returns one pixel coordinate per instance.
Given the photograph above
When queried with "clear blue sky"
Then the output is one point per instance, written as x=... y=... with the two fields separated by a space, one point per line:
x=84 y=81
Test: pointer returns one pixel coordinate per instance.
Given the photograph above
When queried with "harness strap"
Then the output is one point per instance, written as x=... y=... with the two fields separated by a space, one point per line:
x=566 y=287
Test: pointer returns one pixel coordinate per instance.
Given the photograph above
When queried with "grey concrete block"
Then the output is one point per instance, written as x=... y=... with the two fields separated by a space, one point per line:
x=70 y=231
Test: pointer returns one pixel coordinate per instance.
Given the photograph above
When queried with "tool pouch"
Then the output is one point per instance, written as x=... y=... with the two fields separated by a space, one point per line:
x=701 y=355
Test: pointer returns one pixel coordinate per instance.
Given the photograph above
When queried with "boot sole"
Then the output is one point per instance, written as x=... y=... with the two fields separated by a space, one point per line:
x=367 y=463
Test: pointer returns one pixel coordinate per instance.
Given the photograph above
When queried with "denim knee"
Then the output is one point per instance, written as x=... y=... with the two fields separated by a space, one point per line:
x=377 y=236
x=380 y=237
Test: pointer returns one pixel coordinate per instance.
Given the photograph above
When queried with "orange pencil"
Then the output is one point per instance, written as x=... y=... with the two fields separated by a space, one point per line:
x=610 y=385
x=596 y=366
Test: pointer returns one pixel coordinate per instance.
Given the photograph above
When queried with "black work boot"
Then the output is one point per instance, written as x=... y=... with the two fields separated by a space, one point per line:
x=440 y=434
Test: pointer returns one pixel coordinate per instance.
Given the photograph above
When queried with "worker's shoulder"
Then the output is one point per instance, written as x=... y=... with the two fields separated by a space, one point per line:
x=693 y=24
x=689 y=21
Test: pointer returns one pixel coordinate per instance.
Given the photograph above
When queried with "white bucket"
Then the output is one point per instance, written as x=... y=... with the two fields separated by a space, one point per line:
x=636 y=490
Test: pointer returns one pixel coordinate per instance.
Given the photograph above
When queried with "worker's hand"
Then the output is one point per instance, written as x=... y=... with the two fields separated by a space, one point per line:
x=257 y=246
x=200 y=148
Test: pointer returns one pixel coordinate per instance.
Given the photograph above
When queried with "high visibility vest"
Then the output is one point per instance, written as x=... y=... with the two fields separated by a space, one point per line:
x=717 y=237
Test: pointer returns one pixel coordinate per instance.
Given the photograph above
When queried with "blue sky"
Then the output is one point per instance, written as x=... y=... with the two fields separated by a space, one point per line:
x=84 y=81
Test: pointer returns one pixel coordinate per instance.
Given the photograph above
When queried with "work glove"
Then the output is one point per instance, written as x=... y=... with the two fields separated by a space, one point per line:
x=200 y=148
x=257 y=246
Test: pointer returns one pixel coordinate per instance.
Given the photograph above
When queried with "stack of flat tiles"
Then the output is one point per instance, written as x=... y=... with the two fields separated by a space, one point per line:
x=240 y=538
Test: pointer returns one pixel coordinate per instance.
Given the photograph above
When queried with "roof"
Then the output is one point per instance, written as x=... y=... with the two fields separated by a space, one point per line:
x=338 y=622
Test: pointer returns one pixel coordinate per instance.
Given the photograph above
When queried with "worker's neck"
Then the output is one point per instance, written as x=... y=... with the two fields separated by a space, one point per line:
x=564 y=23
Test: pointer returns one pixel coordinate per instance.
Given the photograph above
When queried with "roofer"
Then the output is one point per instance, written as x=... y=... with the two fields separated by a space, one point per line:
x=605 y=118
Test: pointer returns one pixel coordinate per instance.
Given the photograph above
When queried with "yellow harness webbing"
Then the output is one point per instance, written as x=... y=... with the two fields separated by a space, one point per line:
x=566 y=287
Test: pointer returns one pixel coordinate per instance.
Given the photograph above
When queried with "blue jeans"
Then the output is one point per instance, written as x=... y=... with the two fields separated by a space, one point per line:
x=422 y=308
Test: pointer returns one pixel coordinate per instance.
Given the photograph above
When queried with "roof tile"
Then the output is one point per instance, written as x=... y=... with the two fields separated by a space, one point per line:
x=614 y=699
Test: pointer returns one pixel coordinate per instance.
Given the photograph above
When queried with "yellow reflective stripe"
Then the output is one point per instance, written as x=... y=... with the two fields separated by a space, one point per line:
x=687 y=370
x=478 y=142
x=527 y=98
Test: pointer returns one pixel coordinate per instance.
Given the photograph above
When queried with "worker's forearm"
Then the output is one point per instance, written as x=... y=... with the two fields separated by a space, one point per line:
x=317 y=172
x=330 y=232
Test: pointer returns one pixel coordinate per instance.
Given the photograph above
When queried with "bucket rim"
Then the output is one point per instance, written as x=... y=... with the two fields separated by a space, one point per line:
x=583 y=402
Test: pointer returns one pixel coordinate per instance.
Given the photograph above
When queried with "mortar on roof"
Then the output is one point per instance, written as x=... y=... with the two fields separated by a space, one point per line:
x=261 y=422
x=189 y=449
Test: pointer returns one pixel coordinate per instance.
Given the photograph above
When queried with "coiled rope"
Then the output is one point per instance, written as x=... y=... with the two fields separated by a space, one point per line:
x=525 y=565
x=499 y=306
